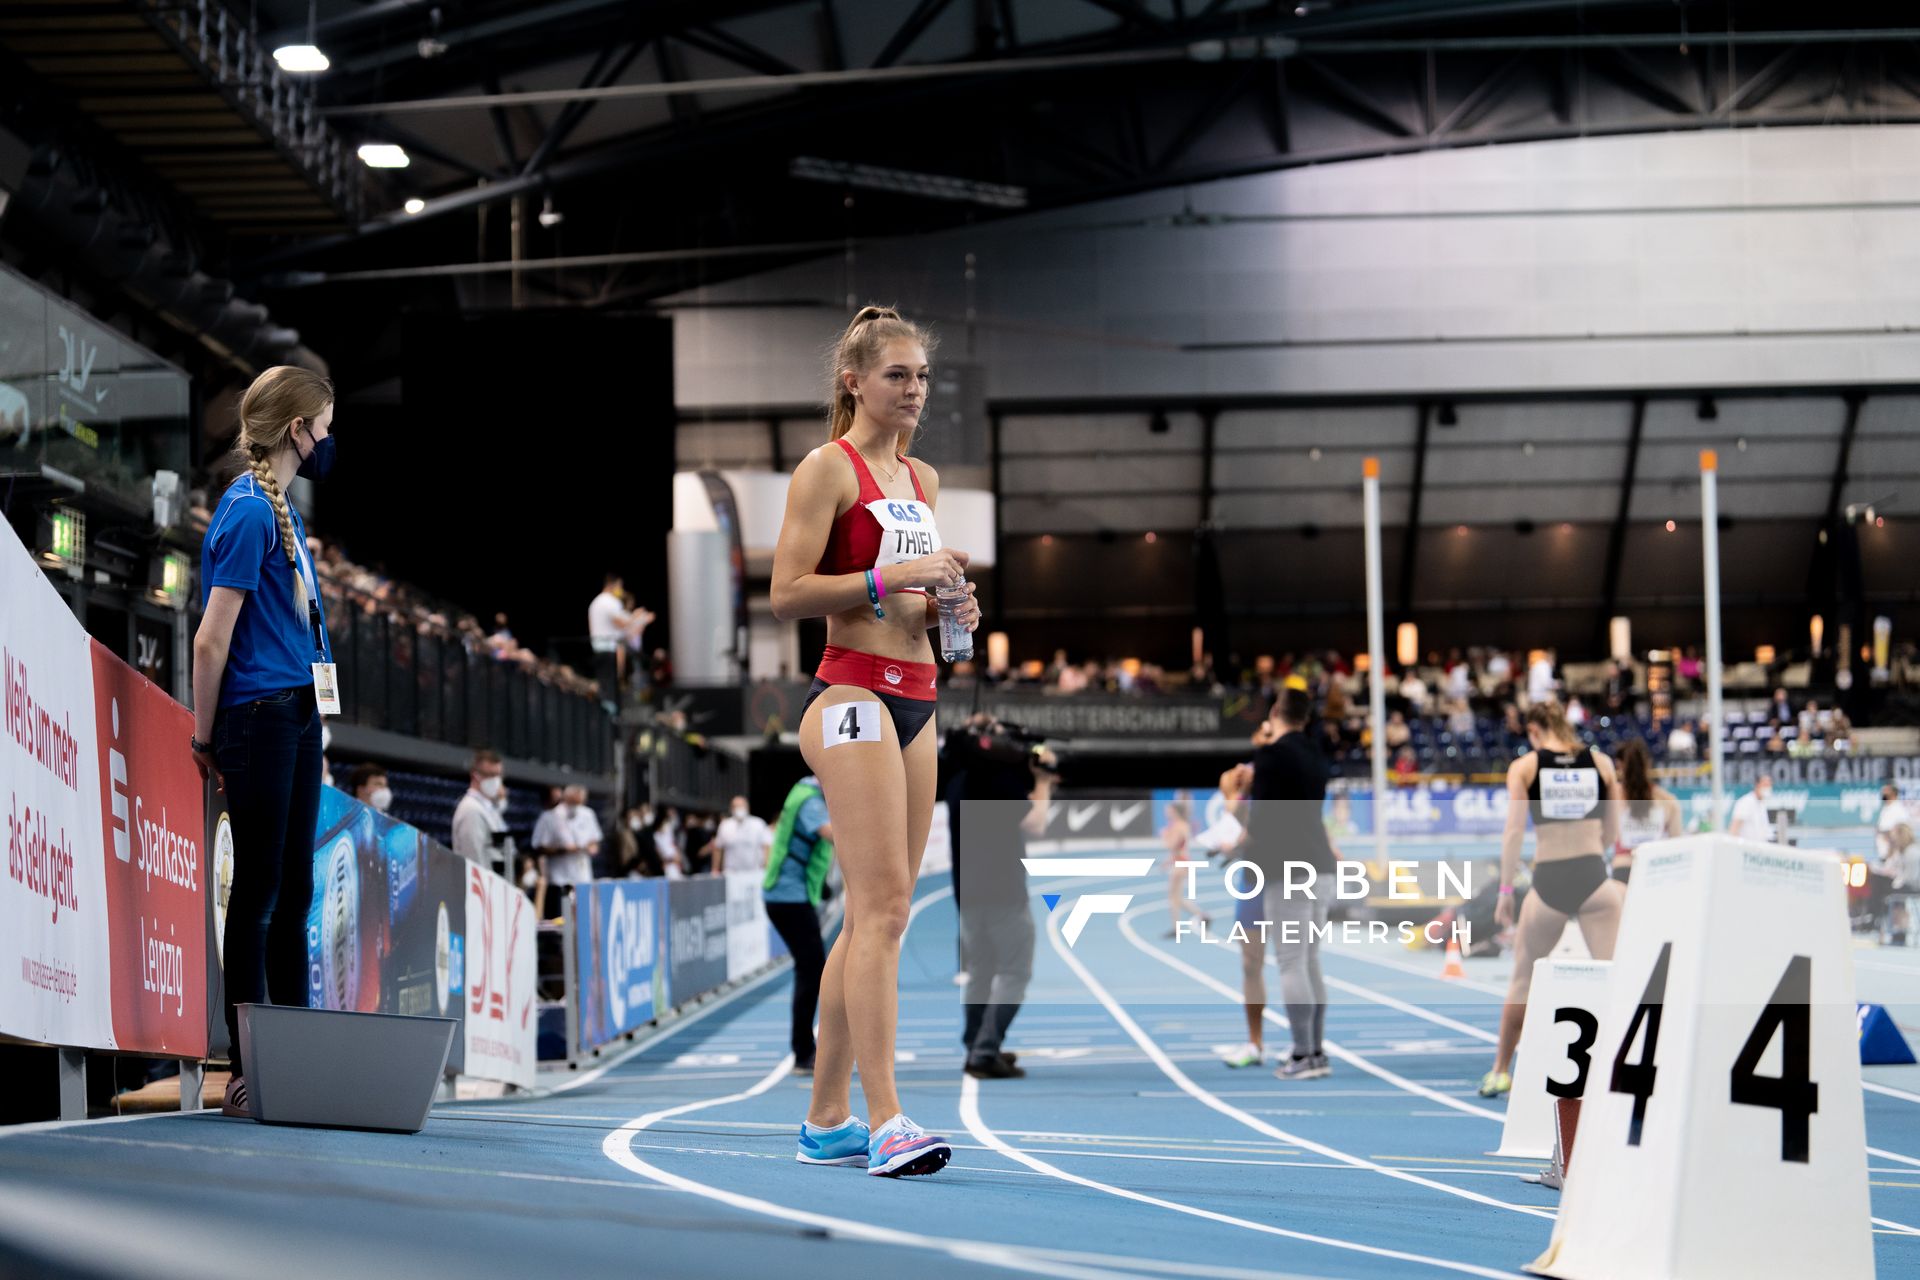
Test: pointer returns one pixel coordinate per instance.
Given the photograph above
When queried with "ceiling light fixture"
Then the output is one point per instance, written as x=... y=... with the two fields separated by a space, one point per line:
x=383 y=155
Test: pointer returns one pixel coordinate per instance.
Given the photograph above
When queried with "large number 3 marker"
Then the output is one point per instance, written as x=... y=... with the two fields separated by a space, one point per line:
x=1792 y=1093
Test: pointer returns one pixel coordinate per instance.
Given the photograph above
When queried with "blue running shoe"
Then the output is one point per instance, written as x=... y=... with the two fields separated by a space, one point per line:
x=900 y=1148
x=845 y=1143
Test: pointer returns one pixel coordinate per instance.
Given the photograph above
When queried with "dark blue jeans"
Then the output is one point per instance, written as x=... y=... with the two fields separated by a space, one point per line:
x=269 y=752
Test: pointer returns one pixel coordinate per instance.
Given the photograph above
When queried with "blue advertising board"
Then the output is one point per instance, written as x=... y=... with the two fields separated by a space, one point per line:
x=620 y=932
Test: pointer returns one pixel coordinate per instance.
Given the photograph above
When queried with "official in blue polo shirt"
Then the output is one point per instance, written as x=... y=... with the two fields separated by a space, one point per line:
x=262 y=675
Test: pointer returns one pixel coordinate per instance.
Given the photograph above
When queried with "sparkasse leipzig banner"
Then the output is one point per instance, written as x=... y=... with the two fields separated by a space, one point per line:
x=102 y=909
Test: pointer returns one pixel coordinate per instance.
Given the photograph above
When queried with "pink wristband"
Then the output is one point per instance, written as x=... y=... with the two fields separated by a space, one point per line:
x=879 y=585
x=1506 y=891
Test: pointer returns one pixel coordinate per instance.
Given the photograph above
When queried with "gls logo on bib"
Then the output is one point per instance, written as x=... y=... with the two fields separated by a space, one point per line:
x=903 y=511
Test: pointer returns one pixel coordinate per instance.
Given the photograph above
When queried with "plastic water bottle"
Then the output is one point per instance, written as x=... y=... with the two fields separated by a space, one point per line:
x=956 y=642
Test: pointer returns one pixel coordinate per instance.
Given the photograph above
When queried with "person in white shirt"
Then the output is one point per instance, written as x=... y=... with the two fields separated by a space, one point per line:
x=1540 y=681
x=742 y=841
x=1459 y=677
x=1750 y=821
x=1681 y=744
x=479 y=823
x=610 y=626
x=666 y=843
x=1414 y=690
x=1893 y=813
x=585 y=825
x=562 y=861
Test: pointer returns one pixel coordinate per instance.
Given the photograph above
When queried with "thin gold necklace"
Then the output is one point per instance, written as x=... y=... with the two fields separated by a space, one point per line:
x=870 y=462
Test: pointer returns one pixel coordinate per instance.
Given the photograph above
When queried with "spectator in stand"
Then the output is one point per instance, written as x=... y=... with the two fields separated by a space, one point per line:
x=1459 y=677
x=1780 y=710
x=1681 y=744
x=1541 y=686
x=1499 y=667
x=609 y=627
x=368 y=783
x=696 y=834
x=1460 y=717
x=1404 y=763
x=563 y=862
x=1750 y=818
x=1893 y=813
x=666 y=844
x=1576 y=712
x=1688 y=666
x=1775 y=744
x=660 y=672
x=585 y=826
x=742 y=840
x=479 y=822
x=1398 y=734
x=1619 y=688
x=1811 y=722
x=1840 y=731
x=1414 y=690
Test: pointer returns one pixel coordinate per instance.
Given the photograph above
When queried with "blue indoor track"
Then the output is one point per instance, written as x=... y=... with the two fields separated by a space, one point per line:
x=1128 y=1151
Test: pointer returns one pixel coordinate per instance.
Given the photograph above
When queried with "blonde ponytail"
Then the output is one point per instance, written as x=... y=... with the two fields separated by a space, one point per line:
x=856 y=351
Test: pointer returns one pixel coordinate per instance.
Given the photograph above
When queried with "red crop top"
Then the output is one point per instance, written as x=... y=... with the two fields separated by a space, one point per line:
x=860 y=540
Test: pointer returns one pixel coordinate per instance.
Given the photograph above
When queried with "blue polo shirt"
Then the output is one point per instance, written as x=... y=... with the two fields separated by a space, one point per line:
x=273 y=647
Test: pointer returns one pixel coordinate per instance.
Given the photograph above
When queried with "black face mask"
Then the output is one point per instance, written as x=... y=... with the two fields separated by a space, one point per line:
x=318 y=464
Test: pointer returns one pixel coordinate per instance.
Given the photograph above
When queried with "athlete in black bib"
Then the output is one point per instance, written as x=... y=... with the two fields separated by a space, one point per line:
x=1573 y=795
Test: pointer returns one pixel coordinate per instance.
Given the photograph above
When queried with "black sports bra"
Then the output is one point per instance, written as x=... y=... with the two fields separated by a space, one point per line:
x=1565 y=787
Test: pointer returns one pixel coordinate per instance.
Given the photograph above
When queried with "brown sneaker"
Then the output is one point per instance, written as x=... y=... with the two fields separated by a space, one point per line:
x=235 y=1102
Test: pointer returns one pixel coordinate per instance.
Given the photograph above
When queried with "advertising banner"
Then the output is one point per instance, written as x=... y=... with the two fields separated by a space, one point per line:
x=501 y=977
x=153 y=811
x=54 y=957
x=384 y=933
x=620 y=935
x=747 y=925
x=696 y=937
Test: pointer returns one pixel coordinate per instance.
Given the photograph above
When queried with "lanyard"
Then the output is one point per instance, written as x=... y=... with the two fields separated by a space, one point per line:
x=305 y=570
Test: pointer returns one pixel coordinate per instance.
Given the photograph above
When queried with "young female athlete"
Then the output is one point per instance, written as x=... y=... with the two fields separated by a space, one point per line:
x=1652 y=812
x=1574 y=796
x=1175 y=836
x=860 y=548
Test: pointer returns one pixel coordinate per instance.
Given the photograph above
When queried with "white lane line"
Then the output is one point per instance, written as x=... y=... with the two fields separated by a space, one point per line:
x=1333 y=1049
x=52 y=1126
x=723 y=1001
x=1408 y=967
x=1896 y=1228
x=1393 y=1002
x=1891 y=1093
x=970 y=1116
x=1207 y=1098
x=1893 y=1155
x=284 y=1157
x=618 y=1147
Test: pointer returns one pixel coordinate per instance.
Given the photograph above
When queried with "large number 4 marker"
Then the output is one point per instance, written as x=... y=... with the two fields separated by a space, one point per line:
x=1637 y=1078
x=1792 y=1093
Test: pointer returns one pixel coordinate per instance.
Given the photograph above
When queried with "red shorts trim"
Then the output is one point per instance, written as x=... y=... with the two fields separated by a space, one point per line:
x=882 y=675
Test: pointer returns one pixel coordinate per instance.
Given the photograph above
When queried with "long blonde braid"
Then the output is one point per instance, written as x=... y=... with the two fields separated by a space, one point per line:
x=267 y=412
x=263 y=472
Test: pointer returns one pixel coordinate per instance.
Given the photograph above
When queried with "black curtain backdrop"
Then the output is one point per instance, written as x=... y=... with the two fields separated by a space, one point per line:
x=533 y=454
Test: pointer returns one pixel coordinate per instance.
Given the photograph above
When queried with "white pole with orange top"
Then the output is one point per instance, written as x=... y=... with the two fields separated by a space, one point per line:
x=1376 y=655
x=1710 y=552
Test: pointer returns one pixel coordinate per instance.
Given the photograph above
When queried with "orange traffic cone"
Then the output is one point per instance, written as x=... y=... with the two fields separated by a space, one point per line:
x=1454 y=968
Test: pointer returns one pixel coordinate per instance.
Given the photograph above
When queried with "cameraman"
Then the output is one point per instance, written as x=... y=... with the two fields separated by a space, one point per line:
x=1005 y=790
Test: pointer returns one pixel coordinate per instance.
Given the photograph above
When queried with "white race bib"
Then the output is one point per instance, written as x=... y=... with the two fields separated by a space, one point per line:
x=1568 y=794
x=846 y=722
x=907 y=532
